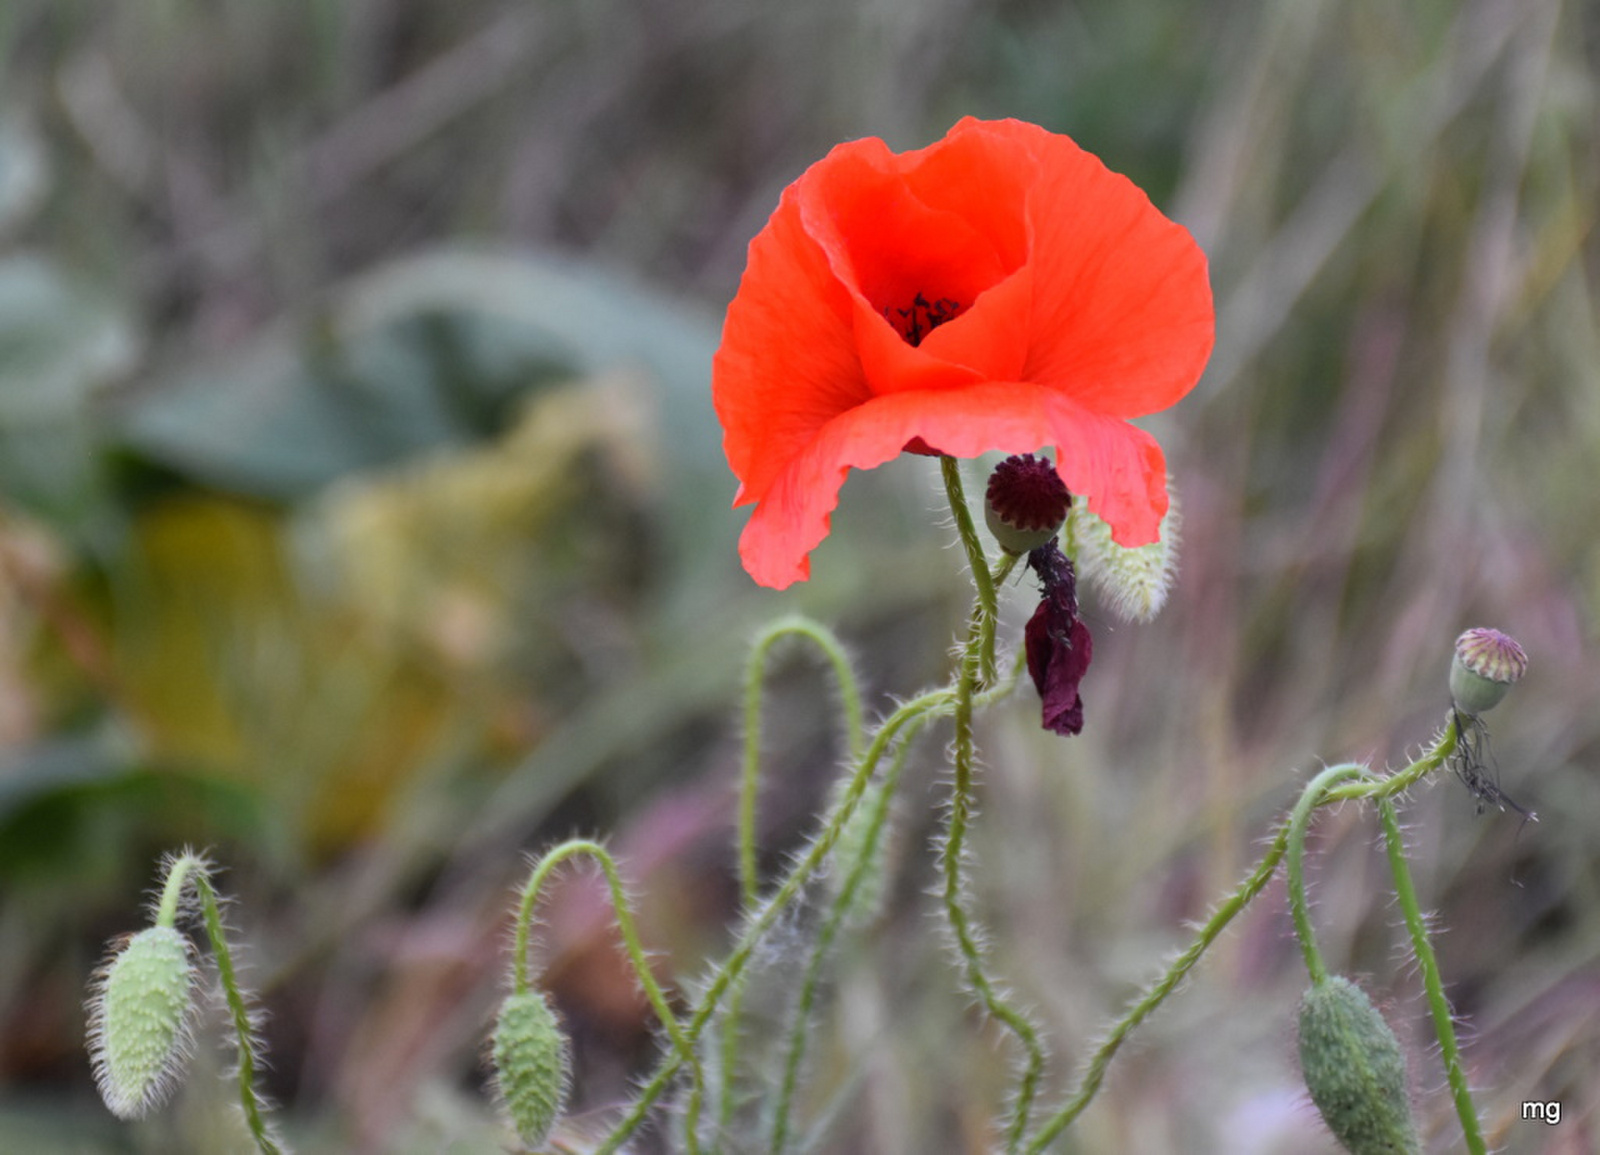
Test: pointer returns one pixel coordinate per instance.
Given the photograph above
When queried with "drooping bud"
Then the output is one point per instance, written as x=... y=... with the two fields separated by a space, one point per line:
x=139 y=1034
x=1355 y=1070
x=1026 y=503
x=1487 y=663
x=532 y=1064
x=1133 y=583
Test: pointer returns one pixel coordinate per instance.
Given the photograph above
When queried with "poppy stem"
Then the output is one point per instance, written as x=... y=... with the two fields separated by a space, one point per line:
x=1439 y=1005
x=1382 y=789
x=528 y=900
x=933 y=704
x=193 y=870
x=1299 y=820
x=977 y=561
x=955 y=892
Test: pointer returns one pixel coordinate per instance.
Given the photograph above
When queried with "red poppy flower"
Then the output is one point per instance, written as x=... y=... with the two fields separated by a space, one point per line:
x=998 y=290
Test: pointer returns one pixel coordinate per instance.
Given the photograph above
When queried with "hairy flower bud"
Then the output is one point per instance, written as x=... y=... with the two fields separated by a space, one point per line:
x=1487 y=663
x=1026 y=502
x=1133 y=583
x=533 y=1065
x=139 y=1021
x=1355 y=1070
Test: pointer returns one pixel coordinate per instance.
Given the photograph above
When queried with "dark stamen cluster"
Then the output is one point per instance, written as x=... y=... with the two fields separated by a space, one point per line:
x=922 y=317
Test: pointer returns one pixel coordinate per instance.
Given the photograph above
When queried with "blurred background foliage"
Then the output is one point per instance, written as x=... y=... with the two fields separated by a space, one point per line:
x=363 y=518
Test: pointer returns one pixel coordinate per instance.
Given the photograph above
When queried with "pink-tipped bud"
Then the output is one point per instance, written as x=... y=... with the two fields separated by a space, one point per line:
x=1027 y=503
x=1487 y=663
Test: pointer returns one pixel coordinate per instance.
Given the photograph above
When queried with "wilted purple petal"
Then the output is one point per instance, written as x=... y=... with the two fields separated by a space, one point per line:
x=1058 y=644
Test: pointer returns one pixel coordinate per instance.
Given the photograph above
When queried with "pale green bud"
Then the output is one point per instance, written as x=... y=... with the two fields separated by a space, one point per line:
x=1133 y=583
x=139 y=1036
x=1487 y=663
x=1355 y=1070
x=532 y=1064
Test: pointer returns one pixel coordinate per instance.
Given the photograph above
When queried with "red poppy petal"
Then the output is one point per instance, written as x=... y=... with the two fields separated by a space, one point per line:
x=1122 y=314
x=1117 y=467
x=787 y=364
x=926 y=228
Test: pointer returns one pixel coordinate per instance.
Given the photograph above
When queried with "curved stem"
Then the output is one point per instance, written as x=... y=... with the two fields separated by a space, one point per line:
x=1094 y=1072
x=1443 y=1024
x=933 y=703
x=825 y=640
x=625 y=925
x=1157 y=992
x=682 y=1046
x=172 y=888
x=1299 y=818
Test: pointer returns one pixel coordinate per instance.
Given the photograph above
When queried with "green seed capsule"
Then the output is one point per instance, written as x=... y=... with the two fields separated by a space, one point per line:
x=533 y=1065
x=1487 y=663
x=139 y=1033
x=1355 y=1070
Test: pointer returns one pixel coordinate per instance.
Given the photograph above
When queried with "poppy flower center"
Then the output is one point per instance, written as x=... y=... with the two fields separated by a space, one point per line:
x=922 y=317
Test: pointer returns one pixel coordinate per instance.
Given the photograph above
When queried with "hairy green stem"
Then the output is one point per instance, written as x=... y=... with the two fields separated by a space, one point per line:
x=754 y=679
x=977 y=562
x=976 y=665
x=1299 y=819
x=1154 y=995
x=625 y=925
x=800 y=1021
x=189 y=868
x=855 y=730
x=1443 y=1024
x=766 y=914
x=1094 y=1071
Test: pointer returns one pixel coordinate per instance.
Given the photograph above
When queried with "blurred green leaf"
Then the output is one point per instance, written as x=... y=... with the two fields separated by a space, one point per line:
x=24 y=172
x=58 y=343
x=422 y=353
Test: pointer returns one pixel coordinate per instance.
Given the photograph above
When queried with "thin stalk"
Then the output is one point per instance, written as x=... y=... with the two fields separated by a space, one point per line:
x=977 y=561
x=1094 y=1072
x=1299 y=819
x=933 y=703
x=754 y=684
x=1154 y=995
x=837 y=913
x=976 y=668
x=1443 y=1024
x=237 y=1012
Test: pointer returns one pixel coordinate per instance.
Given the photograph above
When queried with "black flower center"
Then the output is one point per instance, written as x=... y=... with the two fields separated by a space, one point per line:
x=922 y=317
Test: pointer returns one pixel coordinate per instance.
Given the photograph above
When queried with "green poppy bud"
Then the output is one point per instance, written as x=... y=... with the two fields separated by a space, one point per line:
x=139 y=1034
x=1487 y=663
x=1355 y=1070
x=533 y=1065
x=1132 y=582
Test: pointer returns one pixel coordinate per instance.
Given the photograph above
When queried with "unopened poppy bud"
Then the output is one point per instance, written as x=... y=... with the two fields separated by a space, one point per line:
x=1027 y=503
x=1133 y=583
x=1355 y=1070
x=139 y=1021
x=1487 y=663
x=533 y=1065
